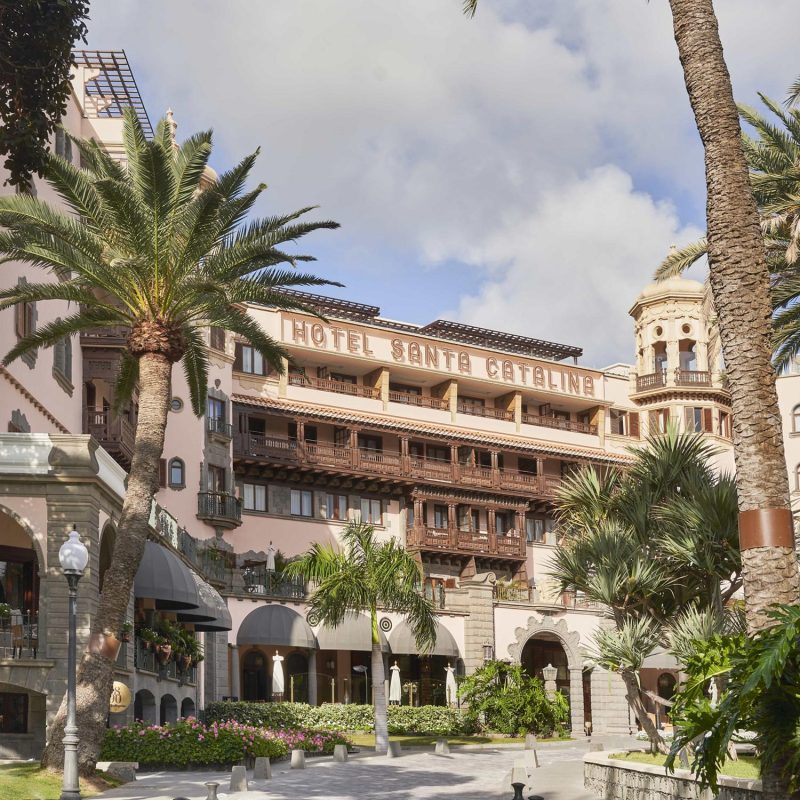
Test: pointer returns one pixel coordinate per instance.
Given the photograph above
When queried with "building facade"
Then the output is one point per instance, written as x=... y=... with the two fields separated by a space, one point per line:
x=449 y=438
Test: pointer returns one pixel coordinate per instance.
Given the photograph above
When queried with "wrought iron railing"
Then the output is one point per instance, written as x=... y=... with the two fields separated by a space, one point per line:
x=259 y=580
x=19 y=635
x=219 y=427
x=219 y=505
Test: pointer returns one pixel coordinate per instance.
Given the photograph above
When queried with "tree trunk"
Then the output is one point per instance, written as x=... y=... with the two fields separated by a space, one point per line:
x=634 y=697
x=95 y=673
x=379 y=691
x=740 y=285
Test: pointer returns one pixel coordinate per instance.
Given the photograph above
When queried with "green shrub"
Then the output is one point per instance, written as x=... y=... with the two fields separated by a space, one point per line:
x=431 y=720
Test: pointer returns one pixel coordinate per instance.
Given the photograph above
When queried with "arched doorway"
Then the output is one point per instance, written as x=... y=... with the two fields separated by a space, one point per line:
x=543 y=650
x=254 y=677
x=296 y=677
x=187 y=707
x=144 y=707
x=169 y=709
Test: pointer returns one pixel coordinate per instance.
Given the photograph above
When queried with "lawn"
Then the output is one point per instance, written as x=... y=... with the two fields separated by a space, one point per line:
x=368 y=740
x=745 y=767
x=31 y=782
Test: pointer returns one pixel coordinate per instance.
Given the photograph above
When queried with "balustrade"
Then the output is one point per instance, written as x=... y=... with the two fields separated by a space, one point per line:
x=692 y=377
x=654 y=380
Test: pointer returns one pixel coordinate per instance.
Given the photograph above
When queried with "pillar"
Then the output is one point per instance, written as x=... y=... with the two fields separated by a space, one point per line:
x=405 y=465
x=576 y=700
x=283 y=377
x=492 y=530
x=353 y=445
x=452 y=524
x=494 y=456
x=312 y=678
x=235 y=673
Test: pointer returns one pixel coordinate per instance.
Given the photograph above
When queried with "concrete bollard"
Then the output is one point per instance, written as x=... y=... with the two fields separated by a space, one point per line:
x=298 y=759
x=263 y=769
x=340 y=753
x=442 y=747
x=531 y=759
x=211 y=790
x=530 y=741
x=238 y=779
x=395 y=750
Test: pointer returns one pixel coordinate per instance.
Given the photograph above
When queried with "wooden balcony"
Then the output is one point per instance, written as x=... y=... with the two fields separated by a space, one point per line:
x=692 y=377
x=115 y=434
x=339 y=387
x=559 y=424
x=410 y=399
x=485 y=411
x=471 y=543
x=255 y=448
x=655 y=380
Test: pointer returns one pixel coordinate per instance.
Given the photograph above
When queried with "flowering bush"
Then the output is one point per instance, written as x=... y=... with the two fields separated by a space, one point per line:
x=188 y=741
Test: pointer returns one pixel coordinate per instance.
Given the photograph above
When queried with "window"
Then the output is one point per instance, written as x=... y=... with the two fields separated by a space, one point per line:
x=471 y=405
x=436 y=453
x=550 y=531
x=658 y=421
x=25 y=324
x=13 y=712
x=368 y=441
x=796 y=419
x=659 y=357
x=687 y=354
x=371 y=511
x=341 y=378
x=177 y=473
x=698 y=420
x=528 y=465
x=19 y=579
x=248 y=359
x=216 y=479
x=503 y=522
x=255 y=496
x=176 y=404
x=217 y=338
x=624 y=423
x=63 y=145
x=301 y=503
x=62 y=362
x=440 y=519
x=215 y=409
x=309 y=432
x=336 y=506
x=725 y=424
x=534 y=529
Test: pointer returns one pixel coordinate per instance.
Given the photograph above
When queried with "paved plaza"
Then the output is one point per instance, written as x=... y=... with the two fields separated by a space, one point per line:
x=467 y=774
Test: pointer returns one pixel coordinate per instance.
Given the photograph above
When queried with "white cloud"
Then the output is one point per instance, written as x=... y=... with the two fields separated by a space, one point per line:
x=571 y=269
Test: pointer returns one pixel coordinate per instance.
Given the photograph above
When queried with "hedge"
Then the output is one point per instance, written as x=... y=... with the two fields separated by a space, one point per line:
x=219 y=743
x=429 y=720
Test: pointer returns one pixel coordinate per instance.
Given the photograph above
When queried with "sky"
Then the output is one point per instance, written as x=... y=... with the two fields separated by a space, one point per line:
x=525 y=171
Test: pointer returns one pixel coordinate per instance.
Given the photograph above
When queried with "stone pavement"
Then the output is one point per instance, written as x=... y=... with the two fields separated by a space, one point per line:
x=465 y=774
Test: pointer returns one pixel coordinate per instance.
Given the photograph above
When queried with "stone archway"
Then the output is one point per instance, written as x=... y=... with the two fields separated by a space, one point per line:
x=546 y=629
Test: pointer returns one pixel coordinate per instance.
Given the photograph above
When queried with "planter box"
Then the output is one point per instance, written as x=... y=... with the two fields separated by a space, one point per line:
x=611 y=779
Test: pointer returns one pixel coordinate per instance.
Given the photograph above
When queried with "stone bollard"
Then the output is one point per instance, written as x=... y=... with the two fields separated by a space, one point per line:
x=519 y=777
x=340 y=753
x=531 y=759
x=442 y=748
x=394 y=751
x=298 y=759
x=263 y=769
x=596 y=747
x=211 y=789
x=530 y=741
x=238 y=779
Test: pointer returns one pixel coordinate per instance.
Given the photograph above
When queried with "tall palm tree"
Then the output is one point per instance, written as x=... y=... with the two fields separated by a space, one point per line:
x=649 y=544
x=159 y=249
x=366 y=575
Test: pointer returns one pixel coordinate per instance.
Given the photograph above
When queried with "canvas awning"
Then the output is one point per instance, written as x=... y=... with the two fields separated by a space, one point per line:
x=163 y=577
x=402 y=642
x=212 y=615
x=355 y=633
x=275 y=624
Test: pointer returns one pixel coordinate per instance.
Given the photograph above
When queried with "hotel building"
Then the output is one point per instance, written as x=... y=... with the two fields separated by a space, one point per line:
x=449 y=438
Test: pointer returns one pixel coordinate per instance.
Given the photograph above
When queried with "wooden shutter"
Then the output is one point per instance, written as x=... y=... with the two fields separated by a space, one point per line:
x=237 y=357
x=708 y=424
x=217 y=338
x=633 y=424
x=19 y=319
x=162 y=472
x=688 y=419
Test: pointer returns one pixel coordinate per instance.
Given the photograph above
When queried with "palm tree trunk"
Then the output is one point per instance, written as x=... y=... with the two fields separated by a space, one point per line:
x=740 y=285
x=379 y=691
x=634 y=697
x=95 y=673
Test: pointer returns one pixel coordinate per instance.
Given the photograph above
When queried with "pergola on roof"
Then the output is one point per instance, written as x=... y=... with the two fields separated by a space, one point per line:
x=115 y=84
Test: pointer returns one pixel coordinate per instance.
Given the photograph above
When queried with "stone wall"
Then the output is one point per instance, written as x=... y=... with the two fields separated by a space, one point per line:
x=610 y=710
x=620 y=780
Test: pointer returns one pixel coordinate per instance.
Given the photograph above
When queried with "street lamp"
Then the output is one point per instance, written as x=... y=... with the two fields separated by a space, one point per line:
x=74 y=557
x=488 y=652
x=550 y=673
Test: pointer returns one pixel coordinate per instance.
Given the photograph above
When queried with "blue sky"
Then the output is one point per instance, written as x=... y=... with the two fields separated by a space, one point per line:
x=525 y=170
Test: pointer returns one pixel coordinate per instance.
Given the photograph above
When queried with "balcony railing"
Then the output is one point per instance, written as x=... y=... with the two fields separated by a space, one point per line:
x=258 y=580
x=219 y=427
x=328 y=385
x=485 y=411
x=390 y=464
x=19 y=635
x=512 y=592
x=692 y=377
x=145 y=659
x=509 y=544
x=411 y=399
x=559 y=424
x=115 y=433
x=655 y=380
x=219 y=507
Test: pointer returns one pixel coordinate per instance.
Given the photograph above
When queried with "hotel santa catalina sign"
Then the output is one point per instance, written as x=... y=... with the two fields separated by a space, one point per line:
x=516 y=371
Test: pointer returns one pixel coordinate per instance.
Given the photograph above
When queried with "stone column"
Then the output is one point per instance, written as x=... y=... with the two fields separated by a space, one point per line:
x=576 y=700
x=452 y=524
x=235 y=672
x=312 y=678
x=476 y=597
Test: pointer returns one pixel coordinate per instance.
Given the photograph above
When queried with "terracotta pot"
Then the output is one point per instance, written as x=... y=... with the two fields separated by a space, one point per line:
x=163 y=653
x=105 y=645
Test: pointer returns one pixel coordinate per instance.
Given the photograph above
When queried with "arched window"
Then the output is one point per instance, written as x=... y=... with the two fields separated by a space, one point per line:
x=796 y=419
x=177 y=473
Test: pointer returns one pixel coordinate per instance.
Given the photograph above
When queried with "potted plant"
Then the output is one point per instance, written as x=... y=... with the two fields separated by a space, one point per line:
x=125 y=632
x=148 y=638
x=5 y=611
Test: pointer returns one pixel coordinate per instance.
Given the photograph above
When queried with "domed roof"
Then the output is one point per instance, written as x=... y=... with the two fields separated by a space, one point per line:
x=675 y=285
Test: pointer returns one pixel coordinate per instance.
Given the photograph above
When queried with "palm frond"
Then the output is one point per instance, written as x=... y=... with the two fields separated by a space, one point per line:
x=679 y=260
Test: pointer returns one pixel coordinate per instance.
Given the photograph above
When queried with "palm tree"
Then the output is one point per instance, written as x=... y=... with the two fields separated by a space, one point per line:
x=157 y=248
x=365 y=575
x=649 y=544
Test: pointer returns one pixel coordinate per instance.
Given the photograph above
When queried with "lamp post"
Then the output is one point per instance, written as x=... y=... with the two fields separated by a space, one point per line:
x=550 y=673
x=74 y=557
